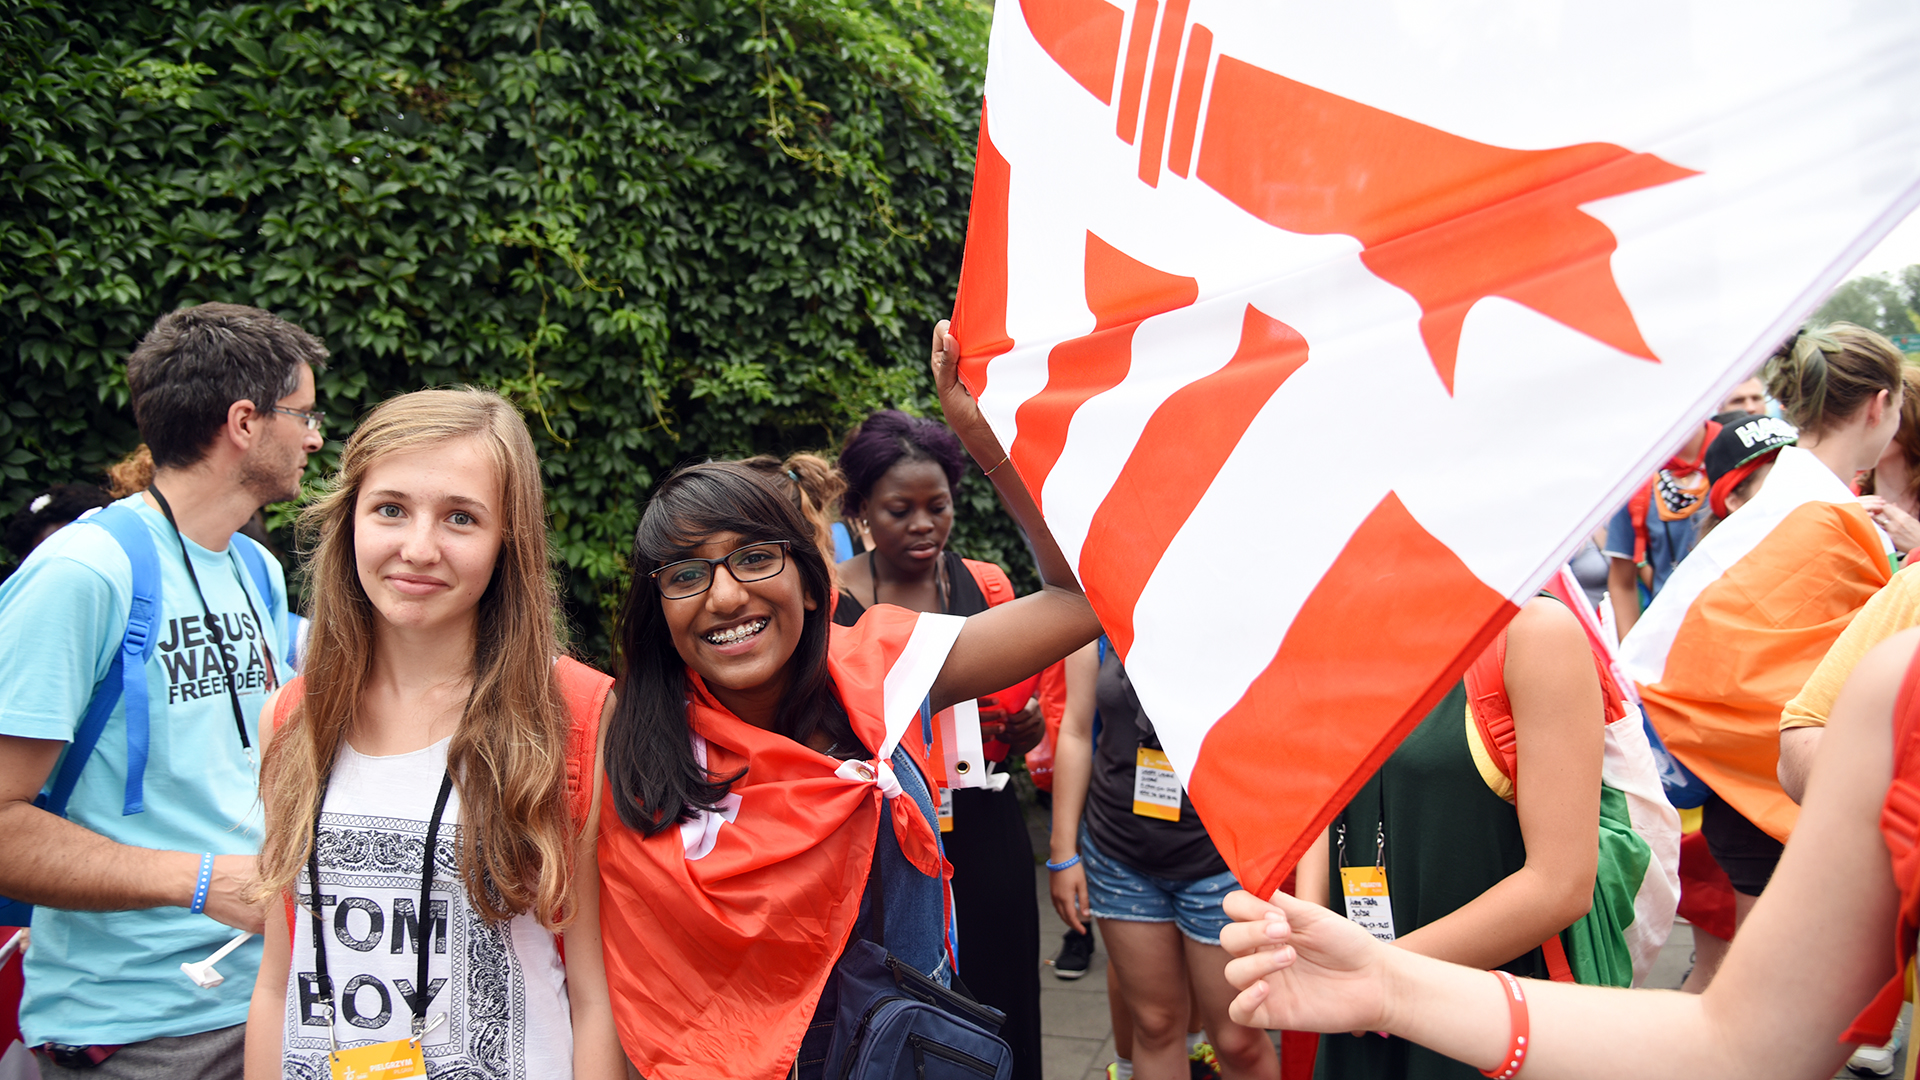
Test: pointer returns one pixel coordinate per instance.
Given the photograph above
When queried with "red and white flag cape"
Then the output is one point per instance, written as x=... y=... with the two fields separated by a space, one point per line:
x=1321 y=331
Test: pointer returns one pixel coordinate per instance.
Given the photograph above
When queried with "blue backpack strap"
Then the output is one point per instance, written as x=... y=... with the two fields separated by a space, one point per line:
x=127 y=677
x=255 y=558
x=54 y=799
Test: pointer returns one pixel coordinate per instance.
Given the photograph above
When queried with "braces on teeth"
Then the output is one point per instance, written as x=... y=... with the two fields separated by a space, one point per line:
x=737 y=633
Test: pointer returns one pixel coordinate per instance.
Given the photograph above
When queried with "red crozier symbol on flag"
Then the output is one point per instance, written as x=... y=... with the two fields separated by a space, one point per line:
x=1185 y=443
x=1447 y=219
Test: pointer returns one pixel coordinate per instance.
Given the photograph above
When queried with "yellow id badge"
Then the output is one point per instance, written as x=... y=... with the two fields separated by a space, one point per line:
x=1156 y=790
x=1368 y=904
x=381 y=1061
x=946 y=809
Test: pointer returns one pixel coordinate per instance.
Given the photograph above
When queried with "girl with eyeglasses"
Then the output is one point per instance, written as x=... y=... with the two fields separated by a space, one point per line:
x=768 y=796
x=428 y=779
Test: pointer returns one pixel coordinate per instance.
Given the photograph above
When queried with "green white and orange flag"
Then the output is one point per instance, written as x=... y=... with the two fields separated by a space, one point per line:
x=1743 y=621
x=1322 y=332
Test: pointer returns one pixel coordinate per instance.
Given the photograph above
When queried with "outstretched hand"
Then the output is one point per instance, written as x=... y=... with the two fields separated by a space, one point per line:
x=1301 y=967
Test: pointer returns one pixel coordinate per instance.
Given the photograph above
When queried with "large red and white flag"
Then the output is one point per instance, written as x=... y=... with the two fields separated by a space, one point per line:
x=1323 y=331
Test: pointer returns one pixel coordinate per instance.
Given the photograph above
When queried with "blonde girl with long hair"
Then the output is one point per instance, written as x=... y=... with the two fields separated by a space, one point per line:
x=432 y=768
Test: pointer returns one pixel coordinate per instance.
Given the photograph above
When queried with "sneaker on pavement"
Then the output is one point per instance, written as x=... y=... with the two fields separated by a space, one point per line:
x=1076 y=953
x=1879 y=1060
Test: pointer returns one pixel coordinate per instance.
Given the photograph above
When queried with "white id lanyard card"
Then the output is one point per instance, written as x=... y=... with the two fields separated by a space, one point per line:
x=1156 y=789
x=1365 y=889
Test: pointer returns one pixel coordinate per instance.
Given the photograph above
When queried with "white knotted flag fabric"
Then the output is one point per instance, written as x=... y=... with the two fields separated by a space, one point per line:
x=1323 y=331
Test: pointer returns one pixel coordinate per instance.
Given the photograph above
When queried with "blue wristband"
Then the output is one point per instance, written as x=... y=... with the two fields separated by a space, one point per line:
x=200 y=887
x=1068 y=863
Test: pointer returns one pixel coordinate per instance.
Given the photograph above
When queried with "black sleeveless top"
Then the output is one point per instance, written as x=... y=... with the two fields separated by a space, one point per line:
x=964 y=596
x=1175 y=850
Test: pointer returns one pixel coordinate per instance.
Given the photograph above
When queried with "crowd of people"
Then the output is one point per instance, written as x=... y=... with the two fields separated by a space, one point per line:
x=403 y=832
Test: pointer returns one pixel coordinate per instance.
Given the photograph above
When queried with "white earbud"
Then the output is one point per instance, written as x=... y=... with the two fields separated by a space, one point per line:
x=203 y=974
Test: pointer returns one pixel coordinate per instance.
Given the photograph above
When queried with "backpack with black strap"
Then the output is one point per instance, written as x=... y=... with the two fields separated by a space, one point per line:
x=127 y=677
x=1636 y=884
x=892 y=1022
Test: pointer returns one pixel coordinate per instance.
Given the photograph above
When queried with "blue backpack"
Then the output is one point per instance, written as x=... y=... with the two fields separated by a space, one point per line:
x=127 y=677
x=893 y=1023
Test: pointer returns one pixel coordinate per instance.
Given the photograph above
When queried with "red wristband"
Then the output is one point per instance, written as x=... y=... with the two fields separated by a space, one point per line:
x=1516 y=1056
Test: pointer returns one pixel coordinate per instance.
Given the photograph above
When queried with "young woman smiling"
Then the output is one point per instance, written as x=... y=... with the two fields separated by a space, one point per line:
x=901 y=474
x=765 y=766
x=430 y=772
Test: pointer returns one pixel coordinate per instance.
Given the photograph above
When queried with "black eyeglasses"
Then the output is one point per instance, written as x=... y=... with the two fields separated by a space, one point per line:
x=691 y=577
x=313 y=419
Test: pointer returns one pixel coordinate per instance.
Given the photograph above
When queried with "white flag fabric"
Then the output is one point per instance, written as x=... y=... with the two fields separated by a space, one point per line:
x=1323 y=331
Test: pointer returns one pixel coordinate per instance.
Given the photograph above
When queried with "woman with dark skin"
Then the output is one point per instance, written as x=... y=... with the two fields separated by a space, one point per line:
x=901 y=472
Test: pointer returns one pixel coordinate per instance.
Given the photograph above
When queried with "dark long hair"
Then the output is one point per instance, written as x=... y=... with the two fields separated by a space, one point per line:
x=651 y=771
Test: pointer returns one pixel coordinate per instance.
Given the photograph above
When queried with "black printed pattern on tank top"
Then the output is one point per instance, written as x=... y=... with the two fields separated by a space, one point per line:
x=373 y=864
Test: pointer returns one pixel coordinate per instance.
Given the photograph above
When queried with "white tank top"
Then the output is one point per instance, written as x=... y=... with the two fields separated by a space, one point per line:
x=501 y=986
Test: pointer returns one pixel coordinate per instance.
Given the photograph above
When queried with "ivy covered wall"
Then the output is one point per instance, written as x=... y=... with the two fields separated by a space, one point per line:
x=667 y=230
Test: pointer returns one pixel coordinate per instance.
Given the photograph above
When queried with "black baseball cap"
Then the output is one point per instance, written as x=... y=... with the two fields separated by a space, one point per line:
x=1745 y=437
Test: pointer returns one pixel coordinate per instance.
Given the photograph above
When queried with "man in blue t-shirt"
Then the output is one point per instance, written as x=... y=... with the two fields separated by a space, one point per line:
x=224 y=398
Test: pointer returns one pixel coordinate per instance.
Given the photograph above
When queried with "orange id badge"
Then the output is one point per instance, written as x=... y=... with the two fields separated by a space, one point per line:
x=945 y=812
x=1156 y=788
x=1365 y=890
x=381 y=1061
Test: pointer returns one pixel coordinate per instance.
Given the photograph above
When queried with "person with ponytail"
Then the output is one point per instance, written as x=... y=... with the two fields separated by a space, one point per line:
x=1746 y=618
x=814 y=485
x=768 y=796
x=427 y=780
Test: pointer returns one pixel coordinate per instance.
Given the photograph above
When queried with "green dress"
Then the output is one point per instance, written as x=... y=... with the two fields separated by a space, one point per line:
x=1448 y=838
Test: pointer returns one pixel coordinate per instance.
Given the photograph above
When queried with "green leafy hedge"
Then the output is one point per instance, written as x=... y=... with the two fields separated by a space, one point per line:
x=668 y=230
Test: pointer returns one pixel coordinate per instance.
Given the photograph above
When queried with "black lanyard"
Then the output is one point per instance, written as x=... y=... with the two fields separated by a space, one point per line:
x=207 y=618
x=422 y=939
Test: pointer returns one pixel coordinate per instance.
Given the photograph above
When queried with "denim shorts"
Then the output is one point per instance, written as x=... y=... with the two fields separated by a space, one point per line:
x=1118 y=891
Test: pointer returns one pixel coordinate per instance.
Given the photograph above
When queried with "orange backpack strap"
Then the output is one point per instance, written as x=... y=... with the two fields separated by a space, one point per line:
x=1493 y=717
x=1492 y=710
x=283 y=705
x=992 y=580
x=1637 y=508
x=1554 y=951
x=585 y=692
x=1900 y=825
